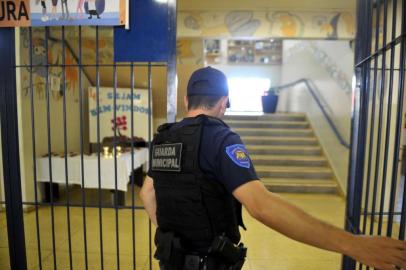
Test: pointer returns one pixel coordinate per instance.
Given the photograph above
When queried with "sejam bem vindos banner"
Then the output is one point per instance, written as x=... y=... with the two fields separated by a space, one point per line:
x=122 y=122
x=16 y=13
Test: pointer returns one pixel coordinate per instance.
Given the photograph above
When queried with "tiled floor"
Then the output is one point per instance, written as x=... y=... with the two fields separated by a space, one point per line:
x=266 y=248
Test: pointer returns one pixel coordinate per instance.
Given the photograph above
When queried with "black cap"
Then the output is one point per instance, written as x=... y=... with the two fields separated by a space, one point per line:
x=207 y=81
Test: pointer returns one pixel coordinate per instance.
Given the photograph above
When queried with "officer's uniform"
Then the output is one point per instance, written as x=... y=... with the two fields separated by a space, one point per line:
x=196 y=164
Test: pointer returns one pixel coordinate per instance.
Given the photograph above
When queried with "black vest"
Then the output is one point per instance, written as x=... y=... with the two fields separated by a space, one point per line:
x=189 y=203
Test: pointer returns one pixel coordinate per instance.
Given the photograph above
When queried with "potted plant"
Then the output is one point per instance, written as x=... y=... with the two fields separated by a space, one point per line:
x=270 y=101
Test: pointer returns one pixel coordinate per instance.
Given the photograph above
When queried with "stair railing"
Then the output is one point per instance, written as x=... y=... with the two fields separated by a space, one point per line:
x=312 y=92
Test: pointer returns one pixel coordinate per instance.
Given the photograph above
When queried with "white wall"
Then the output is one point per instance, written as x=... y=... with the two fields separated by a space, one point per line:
x=329 y=65
x=259 y=71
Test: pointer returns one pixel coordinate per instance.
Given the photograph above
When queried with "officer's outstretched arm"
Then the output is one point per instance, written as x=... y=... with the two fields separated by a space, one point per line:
x=147 y=195
x=280 y=215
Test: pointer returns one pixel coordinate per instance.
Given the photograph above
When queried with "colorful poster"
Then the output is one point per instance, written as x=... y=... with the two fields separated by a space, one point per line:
x=63 y=12
x=122 y=122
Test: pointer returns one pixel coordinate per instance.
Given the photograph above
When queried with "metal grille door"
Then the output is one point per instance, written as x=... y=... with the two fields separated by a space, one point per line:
x=83 y=211
x=376 y=191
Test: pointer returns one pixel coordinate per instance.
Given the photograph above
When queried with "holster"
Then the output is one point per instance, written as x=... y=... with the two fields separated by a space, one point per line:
x=231 y=256
x=169 y=250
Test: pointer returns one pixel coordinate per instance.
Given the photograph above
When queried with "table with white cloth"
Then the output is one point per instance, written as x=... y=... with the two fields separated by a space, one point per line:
x=91 y=169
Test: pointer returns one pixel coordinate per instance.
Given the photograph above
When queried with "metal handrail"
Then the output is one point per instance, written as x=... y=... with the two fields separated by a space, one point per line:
x=316 y=98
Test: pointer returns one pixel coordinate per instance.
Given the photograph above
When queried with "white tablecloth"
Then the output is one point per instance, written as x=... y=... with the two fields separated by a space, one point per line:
x=91 y=177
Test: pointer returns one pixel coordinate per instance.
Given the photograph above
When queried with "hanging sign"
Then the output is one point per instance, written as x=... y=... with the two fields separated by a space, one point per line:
x=122 y=123
x=15 y=13
x=63 y=12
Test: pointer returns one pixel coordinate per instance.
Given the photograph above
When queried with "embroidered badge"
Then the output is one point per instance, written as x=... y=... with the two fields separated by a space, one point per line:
x=167 y=157
x=239 y=155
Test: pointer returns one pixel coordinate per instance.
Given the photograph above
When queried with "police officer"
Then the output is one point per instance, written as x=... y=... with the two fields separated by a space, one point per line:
x=201 y=175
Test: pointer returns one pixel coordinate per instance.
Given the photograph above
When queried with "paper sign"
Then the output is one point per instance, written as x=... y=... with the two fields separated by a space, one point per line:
x=15 y=13
x=122 y=122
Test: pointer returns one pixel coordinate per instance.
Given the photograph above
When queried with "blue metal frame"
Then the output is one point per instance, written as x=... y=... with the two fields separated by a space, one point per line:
x=11 y=159
x=151 y=38
x=359 y=125
x=365 y=168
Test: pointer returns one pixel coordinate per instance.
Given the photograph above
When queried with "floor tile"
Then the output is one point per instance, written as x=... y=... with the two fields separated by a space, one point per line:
x=267 y=249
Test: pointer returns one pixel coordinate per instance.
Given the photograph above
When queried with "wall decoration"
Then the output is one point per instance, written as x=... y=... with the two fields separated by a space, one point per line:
x=341 y=22
x=285 y=24
x=262 y=51
x=189 y=51
x=265 y=24
x=212 y=51
x=122 y=122
x=191 y=22
x=328 y=64
x=242 y=23
x=39 y=71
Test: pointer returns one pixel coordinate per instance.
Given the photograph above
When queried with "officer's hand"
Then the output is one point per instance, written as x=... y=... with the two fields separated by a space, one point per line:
x=379 y=252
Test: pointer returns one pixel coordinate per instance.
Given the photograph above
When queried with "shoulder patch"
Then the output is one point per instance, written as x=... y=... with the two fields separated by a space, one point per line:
x=239 y=155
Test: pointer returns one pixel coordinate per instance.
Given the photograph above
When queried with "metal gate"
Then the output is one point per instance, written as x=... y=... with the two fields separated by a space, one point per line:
x=376 y=202
x=70 y=226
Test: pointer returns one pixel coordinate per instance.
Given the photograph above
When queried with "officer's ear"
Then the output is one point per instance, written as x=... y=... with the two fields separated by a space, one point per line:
x=186 y=102
x=224 y=103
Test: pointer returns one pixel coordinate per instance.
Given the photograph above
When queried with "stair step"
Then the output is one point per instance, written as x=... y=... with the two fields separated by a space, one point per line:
x=297 y=185
x=258 y=140
x=274 y=132
x=268 y=124
x=286 y=153
x=271 y=117
x=284 y=150
x=294 y=172
x=288 y=160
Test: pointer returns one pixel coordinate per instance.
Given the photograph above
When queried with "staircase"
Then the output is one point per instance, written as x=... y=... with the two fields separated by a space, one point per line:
x=285 y=152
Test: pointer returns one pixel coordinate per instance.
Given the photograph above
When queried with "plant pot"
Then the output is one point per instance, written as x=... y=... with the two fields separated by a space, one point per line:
x=269 y=103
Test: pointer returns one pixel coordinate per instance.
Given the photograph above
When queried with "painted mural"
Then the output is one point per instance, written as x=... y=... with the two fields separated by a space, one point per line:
x=328 y=64
x=326 y=25
x=189 y=51
x=40 y=59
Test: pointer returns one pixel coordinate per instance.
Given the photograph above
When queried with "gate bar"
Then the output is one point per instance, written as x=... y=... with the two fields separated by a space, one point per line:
x=149 y=151
x=34 y=152
x=115 y=142
x=388 y=128
x=401 y=86
x=378 y=144
x=381 y=113
x=48 y=107
x=82 y=164
x=11 y=158
x=65 y=146
x=132 y=167
x=358 y=127
x=98 y=149
x=372 y=128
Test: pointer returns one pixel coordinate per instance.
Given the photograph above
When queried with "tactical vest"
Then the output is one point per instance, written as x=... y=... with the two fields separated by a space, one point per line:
x=194 y=206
